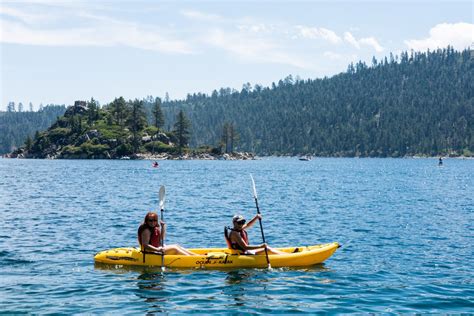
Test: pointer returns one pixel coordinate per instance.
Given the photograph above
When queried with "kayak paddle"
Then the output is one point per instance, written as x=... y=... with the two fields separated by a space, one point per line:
x=162 y=208
x=260 y=220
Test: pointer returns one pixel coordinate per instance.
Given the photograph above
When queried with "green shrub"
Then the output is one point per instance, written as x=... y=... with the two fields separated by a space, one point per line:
x=207 y=149
x=71 y=150
x=124 y=150
x=467 y=153
x=159 y=147
x=151 y=130
x=110 y=131
x=58 y=133
x=90 y=148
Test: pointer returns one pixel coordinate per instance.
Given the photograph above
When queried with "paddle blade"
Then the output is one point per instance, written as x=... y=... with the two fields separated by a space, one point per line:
x=253 y=186
x=162 y=197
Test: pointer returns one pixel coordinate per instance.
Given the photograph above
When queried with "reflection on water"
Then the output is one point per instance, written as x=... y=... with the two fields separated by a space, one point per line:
x=236 y=286
x=118 y=268
x=239 y=276
x=152 y=290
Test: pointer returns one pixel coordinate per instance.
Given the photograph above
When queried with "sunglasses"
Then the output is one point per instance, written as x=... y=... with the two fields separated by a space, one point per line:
x=152 y=220
x=241 y=222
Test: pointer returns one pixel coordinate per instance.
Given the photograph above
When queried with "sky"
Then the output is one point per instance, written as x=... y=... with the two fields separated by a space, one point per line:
x=56 y=52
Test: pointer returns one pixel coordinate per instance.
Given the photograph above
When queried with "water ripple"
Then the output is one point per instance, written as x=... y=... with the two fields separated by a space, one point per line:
x=405 y=225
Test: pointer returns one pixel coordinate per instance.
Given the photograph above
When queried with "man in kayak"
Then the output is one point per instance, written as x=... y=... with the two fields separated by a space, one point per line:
x=237 y=238
x=150 y=236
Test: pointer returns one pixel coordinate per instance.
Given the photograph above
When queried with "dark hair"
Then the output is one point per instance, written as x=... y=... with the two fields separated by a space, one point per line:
x=150 y=215
x=145 y=225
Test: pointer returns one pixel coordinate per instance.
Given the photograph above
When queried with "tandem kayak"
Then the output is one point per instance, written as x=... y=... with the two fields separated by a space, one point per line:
x=209 y=258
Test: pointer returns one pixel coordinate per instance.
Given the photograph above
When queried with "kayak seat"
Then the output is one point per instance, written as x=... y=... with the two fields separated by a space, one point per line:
x=226 y=236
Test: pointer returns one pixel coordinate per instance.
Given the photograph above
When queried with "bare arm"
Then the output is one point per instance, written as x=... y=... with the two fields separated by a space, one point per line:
x=252 y=221
x=163 y=231
x=235 y=237
x=145 y=242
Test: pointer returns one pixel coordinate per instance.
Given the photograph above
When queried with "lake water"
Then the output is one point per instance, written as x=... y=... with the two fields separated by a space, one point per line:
x=406 y=226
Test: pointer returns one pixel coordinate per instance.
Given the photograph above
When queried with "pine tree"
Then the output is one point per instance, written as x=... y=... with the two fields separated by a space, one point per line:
x=181 y=130
x=11 y=107
x=92 y=111
x=119 y=110
x=28 y=143
x=158 y=117
x=225 y=138
x=136 y=121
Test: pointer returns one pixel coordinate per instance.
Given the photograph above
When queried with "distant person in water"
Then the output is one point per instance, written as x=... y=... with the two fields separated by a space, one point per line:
x=440 y=163
x=237 y=237
x=155 y=164
x=150 y=235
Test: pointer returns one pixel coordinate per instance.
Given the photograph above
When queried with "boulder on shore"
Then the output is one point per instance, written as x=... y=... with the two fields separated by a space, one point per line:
x=198 y=156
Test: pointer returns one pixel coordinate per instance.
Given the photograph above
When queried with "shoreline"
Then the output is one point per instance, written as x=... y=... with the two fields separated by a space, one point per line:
x=231 y=156
x=196 y=156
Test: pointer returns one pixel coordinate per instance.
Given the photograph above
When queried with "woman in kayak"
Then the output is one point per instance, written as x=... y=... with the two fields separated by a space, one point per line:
x=150 y=236
x=237 y=238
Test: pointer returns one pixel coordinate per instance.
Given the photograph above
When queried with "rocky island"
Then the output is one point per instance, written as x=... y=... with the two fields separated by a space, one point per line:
x=119 y=130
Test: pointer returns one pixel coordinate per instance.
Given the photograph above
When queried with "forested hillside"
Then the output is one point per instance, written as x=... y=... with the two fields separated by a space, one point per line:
x=413 y=104
x=15 y=127
x=418 y=103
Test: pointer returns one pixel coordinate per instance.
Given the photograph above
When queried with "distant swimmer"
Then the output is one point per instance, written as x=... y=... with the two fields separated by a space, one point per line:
x=440 y=163
x=155 y=164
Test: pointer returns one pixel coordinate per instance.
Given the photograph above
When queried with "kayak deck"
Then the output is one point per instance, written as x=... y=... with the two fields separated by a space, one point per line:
x=209 y=258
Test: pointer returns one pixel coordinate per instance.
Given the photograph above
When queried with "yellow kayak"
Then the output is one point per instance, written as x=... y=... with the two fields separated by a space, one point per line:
x=210 y=258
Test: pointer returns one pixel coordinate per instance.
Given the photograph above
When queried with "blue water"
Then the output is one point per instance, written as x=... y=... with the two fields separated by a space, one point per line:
x=406 y=225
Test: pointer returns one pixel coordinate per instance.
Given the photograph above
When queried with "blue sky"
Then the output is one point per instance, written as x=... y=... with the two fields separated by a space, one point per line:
x=61 y=51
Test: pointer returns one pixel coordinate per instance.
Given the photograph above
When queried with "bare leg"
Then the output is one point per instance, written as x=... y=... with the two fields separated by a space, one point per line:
x=271 y=251
x=177 y=250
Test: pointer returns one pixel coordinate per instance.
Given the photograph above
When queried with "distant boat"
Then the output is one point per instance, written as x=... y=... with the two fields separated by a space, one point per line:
x=125 y=158
x=305 y=158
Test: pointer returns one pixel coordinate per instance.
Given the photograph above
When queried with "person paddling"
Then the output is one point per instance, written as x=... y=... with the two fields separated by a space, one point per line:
x=155 y=164
x=237 y=237
x=149 y=237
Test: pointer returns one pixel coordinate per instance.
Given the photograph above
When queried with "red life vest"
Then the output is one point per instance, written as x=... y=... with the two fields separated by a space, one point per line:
x=244 y=235
x=155 y=235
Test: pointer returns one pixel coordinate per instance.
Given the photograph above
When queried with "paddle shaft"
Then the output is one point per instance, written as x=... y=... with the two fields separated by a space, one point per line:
x=261 y=230
x=162 y=209
x=162 y=241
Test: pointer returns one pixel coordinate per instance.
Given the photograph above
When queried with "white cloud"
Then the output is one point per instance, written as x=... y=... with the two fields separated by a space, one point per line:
x=368 y=41
x=252 y=48
x=100 y=31
x=255 y=28
x=201 y=16
x=317 y=33
x=348 y=37
x=332 y=55
x=458 y=35
x=22 y=16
